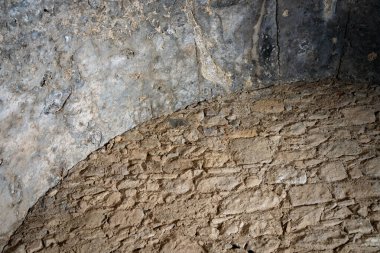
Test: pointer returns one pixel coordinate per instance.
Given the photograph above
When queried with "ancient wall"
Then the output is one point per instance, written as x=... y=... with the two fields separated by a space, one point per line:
x=292 y=168
x=74 y=74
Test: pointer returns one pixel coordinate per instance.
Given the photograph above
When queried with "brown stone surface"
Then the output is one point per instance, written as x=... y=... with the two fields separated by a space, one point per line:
x=274 y=170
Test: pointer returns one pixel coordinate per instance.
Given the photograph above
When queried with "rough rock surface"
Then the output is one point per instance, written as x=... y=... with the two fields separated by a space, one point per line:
x=193 y=181
x=74 y=74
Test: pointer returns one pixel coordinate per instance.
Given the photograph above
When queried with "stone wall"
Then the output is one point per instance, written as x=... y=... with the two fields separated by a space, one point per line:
x=292 y=168
x=74 y=74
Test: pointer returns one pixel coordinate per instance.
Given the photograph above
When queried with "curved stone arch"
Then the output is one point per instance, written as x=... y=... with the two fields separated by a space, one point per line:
x=75 y=74
x=292 y=168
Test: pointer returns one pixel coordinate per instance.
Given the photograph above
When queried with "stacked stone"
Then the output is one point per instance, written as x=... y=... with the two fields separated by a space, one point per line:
x=292 y=168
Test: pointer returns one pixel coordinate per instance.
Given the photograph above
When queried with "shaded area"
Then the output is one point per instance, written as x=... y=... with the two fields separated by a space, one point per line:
x=292 y=168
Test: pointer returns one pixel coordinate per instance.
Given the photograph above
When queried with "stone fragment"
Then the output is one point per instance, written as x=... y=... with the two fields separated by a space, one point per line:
x=247 y=133
x=251 y=201
x=333 y=171
x=309 y=194
x=359 y=115
x=359 y=189
x=215 y=159
x=297 y=129
x=267 y=244
x=362 y=226
x=113 y=199
x=34 y=246
x=341 y=148
x=212 y=184
x=179 y=186
x=252 y=150
x=287 y=157
x=125 y=218
x=253 y=181
x=323 y=240
x=265 y=227
x=287 y=175
x=372 y=168
x=303 y=217
x=269 y=106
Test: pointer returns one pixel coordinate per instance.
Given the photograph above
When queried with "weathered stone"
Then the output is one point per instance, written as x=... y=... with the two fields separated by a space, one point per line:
x=297 y=129
x=287 y=175
x=252 y=150
x=359 y=115
x=362 y=226
x=268 y=106
x=123 y=218
x=213 y=184
x=303 y=217
x=323 y=240
x=341 y=148
x=250 y=201
x=359 y=189
x=34 y=246
x=372 y=168
x=334 y=171
x=309 y=194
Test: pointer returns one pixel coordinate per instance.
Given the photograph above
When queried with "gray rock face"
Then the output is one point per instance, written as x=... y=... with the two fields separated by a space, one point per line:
x=74 y=74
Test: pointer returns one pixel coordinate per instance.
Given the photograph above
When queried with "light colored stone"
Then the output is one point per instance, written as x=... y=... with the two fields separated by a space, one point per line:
x=34 y=246
x=303 y=217
x=362 y=226
x=268 y=106
x=341 y=148
x=372 y=168
x=252 y=150
x=251 y=201
x=309 y=194
x=297 y=129
x=359 y=115
x=333 y=171
x=213 y=184
x=287 y=175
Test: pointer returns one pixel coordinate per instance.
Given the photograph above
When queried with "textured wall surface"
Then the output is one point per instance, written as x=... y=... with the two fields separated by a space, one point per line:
x=74 y=74
x=294 y=168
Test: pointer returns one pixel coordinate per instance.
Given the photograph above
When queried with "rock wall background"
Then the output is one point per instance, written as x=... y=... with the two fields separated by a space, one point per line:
x=292 y=168
x=74 y=74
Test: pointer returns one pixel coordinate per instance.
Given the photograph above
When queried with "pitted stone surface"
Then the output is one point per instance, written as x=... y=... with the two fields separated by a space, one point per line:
x=75 y=74
x=247 y=185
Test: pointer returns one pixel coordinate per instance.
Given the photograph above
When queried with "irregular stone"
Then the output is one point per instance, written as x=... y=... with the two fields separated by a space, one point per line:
x=358 y=189
x=372 y=168
x=341 y=148
x=113 y=199
x=126 y=218
x=251 y=201
x=213 y=184
x=333 y=171
x=248 y=133
x=287 y=175
x=287 y=157
x=297 y=129
x=215 y=159
x=323 y=240
x=35 y=246
x=265 y=227
x=309 y=194
x=362 y=226
x=252 y=150
x=359 y=115
x=268 y=106
x=303 y=217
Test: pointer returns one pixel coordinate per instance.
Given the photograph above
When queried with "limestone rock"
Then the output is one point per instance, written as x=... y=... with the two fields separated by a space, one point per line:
x=359 y=115
x=309 y=194
x=334 y=171
x=252 y=150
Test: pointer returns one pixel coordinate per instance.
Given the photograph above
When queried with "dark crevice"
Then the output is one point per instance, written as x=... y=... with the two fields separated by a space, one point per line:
x=344 y=46
x=277 y=40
